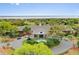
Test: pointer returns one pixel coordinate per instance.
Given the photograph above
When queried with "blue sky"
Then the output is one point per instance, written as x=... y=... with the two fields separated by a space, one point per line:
x=39 y=9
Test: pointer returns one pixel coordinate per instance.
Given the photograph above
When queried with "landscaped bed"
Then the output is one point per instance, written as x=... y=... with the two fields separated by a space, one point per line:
x=72 y=51
x=6 y=39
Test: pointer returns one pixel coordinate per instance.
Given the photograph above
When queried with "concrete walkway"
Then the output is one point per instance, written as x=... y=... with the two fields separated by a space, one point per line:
x=64 y=46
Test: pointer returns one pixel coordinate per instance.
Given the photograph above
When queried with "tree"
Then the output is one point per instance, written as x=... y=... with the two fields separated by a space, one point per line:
x=54 y=41
x=36 y=49
x=24 y=50
x=78 y=44
x=60 y=30
x=18 y=22
x=41 y=49
x=6 y=28
x=76 y=29
x=27 y=29
x=56 y=30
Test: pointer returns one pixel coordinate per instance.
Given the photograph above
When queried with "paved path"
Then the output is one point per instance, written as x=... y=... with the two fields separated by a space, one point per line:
x=17 y=43
x=14 y=44
x=63 y=47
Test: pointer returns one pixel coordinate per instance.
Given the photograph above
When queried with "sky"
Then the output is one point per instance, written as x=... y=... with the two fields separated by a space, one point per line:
x=36 y=9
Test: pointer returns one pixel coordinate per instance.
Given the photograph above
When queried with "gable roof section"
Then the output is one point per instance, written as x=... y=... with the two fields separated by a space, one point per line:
x=40 y=29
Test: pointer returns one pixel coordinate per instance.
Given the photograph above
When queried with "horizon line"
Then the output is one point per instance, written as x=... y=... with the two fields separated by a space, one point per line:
x=37 y=17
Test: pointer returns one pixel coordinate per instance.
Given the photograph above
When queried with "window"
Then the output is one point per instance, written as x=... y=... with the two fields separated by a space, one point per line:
x=41 y=32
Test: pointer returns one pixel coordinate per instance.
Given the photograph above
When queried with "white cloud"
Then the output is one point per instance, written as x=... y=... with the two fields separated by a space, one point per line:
x=17 y=3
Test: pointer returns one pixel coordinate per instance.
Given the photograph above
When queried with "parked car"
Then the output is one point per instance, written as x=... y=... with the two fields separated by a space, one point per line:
x=19 y=38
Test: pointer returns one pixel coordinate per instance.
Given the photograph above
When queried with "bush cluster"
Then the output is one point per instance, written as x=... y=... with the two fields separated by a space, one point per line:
x=36 y=49
x=50 y=42
x=54 y=41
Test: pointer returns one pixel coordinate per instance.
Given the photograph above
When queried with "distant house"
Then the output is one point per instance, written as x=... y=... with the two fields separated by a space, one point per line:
x=20 y=30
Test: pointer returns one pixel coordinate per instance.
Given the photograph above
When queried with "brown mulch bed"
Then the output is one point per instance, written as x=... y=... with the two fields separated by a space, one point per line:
x=73 y=51
x=7 y=39
x=6 y=50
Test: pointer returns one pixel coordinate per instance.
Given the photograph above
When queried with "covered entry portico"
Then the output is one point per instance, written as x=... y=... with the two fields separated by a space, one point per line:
x=41 y=35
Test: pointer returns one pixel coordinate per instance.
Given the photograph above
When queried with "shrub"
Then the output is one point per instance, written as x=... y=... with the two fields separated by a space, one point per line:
x=36 y=49
x=41 y=41
x=70 y=36
x=30 y=41
x=24 y=50
x=41 y=49
x=78 y=44
x=51 y=42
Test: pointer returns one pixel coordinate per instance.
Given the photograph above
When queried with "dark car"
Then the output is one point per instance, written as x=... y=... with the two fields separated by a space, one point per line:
x=18 y=38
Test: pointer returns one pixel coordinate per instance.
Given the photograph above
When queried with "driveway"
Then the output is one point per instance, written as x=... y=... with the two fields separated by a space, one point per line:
x=64 y=46
x=17 y=43
x=14 y=44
